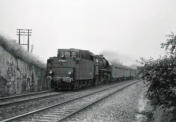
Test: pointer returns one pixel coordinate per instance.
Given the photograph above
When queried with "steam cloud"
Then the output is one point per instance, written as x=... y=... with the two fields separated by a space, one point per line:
x=118 y=60
x=16 y=50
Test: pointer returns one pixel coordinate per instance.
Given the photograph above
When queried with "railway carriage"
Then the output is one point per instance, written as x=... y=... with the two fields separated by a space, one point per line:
x=121 y=73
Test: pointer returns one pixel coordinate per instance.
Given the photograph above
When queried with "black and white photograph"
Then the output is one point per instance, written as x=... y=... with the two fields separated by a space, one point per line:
x=87 y=61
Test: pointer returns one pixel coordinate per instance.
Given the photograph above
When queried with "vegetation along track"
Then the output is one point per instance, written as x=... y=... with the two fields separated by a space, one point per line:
x=64 y=110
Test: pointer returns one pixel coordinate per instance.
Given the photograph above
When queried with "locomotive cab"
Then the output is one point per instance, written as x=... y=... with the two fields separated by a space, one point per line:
x=68 y=69
x=61 y=69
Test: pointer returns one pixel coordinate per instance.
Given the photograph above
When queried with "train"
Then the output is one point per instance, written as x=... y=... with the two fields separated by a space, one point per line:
x=73 y=69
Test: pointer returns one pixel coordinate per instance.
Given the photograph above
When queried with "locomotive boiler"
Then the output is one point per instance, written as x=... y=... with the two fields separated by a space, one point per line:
x=102 y=70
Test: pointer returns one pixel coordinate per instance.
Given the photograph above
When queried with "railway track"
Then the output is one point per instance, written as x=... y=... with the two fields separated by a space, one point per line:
x=64 y=110
x=6 y=101
x=22 y=95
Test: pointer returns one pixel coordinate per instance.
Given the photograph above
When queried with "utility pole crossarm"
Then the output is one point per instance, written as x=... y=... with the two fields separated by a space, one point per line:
x=24 y=32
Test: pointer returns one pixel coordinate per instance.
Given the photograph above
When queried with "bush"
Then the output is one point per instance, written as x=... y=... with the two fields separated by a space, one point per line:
x=160 y=75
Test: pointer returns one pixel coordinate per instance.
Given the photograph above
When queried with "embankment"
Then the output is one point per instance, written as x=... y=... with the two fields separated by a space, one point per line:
x=20 y=71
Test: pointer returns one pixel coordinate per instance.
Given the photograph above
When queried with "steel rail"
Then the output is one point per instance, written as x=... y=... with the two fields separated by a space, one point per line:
x=20 y=100
x=23 y=95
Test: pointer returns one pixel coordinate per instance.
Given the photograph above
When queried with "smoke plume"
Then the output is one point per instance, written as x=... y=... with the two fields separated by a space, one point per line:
x=119 y=60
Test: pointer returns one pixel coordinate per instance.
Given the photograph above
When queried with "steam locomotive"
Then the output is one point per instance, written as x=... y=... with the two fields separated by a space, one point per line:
x=75 y=69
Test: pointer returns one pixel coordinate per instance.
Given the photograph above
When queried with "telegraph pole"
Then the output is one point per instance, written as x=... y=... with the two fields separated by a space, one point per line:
x=24 y=33
x=19 y=34
x=28 y=34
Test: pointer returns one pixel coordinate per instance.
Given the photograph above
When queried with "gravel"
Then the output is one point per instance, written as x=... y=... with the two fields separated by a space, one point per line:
x=124 y=106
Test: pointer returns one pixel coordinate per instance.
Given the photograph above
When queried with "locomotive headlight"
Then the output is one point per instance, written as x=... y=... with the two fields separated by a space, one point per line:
x=69 y=72
x=50 y=71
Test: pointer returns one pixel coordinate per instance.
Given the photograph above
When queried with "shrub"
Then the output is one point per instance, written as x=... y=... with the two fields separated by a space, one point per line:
x=160 y=75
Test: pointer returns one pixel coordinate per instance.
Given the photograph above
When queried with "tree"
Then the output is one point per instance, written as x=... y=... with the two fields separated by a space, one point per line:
x=160 y=75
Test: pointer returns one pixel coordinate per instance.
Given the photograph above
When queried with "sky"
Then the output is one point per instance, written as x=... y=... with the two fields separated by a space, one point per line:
x=129 y=29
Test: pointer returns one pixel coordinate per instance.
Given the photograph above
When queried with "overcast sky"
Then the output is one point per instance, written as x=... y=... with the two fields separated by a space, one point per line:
x=130 y=28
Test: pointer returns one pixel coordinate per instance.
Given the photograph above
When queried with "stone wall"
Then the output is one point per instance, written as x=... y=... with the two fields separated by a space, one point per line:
x=19 y=74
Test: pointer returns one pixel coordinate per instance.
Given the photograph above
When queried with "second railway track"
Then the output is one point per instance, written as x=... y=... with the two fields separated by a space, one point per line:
x=27 y=97
x=65 y=109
